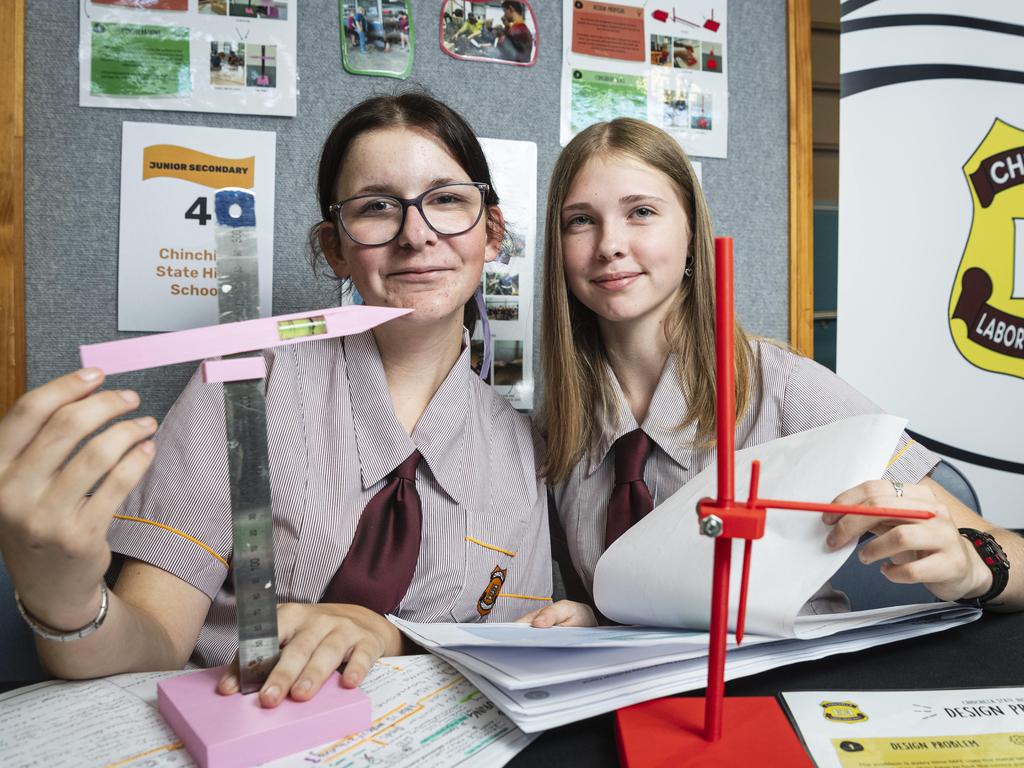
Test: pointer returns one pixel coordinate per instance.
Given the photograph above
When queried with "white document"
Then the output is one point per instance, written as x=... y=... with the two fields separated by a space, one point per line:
x=89 y=723
x=167 y=255
x=933 y=728
x=548 y=706
x=789 y=564
x=513 y=661
x=114 y=721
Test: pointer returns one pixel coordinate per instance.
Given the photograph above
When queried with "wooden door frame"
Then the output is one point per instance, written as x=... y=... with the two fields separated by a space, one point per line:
x=12 y=202
x=801 y=178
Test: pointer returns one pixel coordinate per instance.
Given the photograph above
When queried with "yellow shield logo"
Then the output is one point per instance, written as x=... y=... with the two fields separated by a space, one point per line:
x=842 y=712
x=490 y=594
x=986 y=307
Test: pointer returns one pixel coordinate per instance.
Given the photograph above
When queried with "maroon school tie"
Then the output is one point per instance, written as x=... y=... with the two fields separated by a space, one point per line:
x=378 y=568
x=630 y=499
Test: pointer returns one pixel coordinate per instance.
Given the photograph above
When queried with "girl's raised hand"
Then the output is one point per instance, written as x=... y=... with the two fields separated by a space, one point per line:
x=564 y=613
x=930 y=552
x=53 y=537
x=317 y=639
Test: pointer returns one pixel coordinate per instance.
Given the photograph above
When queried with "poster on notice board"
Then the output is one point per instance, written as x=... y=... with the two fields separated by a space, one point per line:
x=662 y=62
x=167 y=256
x=198 y=56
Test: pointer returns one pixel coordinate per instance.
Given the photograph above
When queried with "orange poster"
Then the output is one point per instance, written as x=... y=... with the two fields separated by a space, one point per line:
x=608 y=30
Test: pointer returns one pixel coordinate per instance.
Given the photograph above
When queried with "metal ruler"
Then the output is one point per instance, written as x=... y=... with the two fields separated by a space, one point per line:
x=245 y=418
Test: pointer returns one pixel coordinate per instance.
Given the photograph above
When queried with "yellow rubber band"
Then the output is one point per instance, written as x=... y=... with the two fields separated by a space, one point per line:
x=896 y=458
x=197 y=542
x=490 y=546
x=525 y=597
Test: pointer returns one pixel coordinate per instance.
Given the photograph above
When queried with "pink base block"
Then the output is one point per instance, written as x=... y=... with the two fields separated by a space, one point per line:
x=235 y=731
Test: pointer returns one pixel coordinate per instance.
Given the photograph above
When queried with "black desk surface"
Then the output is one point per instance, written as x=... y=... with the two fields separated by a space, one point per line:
x=987 y=652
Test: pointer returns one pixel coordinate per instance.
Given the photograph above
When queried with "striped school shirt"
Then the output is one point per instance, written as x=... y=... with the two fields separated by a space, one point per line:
x=791 y=393
x=333 y=439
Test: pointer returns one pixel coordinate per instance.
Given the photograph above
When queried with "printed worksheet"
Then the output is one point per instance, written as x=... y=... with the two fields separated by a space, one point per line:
x=926 y=728
x=425 y=713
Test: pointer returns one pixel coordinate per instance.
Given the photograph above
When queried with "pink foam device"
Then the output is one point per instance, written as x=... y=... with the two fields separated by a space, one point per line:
x=160 y=349
x=235 y=731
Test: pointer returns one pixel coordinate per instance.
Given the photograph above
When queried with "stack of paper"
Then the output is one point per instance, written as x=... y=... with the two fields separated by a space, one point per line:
x=658 y=576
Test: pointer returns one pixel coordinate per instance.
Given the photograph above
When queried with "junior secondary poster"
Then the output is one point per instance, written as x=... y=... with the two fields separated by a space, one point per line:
x=931 y=231
x=663 y=62
x=167 y=258
x=189 y=55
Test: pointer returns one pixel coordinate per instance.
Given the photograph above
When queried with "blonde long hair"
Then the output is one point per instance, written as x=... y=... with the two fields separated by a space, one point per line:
x=579 y=399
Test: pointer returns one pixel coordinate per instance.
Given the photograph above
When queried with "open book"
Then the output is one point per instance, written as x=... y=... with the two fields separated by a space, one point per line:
x=658 y=576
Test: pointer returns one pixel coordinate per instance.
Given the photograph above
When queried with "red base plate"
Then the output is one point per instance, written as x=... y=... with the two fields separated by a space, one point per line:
x=670 y=732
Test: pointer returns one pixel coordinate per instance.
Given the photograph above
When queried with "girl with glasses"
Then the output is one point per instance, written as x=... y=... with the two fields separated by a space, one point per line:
x=400 y=482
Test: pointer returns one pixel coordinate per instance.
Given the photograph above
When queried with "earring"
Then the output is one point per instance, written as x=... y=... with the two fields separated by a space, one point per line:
x=688 y=270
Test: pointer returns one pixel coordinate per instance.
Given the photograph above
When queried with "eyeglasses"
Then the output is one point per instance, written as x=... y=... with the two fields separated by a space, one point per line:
x=448 y=209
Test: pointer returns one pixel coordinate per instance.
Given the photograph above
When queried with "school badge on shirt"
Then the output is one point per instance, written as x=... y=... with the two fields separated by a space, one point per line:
x=986 y=307
x=842 y=712
x=491 y=591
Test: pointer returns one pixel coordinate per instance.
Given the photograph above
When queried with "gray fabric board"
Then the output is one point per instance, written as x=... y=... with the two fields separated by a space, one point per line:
x=73 y=167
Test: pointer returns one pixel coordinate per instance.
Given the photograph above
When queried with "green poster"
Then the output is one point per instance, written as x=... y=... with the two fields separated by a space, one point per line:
x=140 y=60
x=600 y=96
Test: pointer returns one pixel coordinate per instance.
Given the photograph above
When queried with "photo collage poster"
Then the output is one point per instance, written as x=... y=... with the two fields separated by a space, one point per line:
x=225 y=56
x=665 y=63
x=508 y=281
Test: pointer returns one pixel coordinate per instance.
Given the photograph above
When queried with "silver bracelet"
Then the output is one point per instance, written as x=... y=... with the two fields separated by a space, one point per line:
x=49 y=633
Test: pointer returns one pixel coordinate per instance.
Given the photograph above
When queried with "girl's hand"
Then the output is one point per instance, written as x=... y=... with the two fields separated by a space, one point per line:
x=931 y=552
x=317 y=639
x=564 y=613
x=53 y=537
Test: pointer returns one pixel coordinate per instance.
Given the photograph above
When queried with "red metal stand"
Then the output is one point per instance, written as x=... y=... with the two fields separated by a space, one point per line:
x=666 y=732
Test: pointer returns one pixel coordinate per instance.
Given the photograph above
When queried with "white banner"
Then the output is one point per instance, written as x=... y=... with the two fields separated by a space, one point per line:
x=931 y=248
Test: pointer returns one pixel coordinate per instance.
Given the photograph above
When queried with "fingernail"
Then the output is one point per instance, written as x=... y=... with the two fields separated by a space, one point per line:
x=128 y=396
x=830 y=541
x=303 y=686
x=148 y=447
x=89 y=374
x=229 y=683
x=272 y=693
x=146 y=422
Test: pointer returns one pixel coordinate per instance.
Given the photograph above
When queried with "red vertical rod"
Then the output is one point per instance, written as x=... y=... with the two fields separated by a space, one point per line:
x=715 y=694
x=725 y=364
x=726 y=430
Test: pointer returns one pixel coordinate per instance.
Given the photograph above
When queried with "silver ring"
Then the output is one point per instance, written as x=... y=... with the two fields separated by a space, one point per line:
x=897 y=486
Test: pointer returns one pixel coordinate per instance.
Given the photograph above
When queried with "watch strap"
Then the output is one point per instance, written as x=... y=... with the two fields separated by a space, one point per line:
x=994 y=557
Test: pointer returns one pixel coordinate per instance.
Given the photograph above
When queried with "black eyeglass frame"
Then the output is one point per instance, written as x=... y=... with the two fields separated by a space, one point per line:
x=335 y=210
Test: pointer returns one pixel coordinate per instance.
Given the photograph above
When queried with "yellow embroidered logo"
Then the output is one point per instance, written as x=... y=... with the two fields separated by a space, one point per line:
x=986 y=307
x=491 y=591
x=843 y=712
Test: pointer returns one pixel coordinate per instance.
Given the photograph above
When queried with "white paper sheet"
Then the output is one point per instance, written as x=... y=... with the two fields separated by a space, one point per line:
x=417 y=700
x=789 y=564
x=934 y=728
x=549 y=706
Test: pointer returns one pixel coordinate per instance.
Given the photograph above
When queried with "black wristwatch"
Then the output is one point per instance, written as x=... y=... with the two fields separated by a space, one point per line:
x=994 y=557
